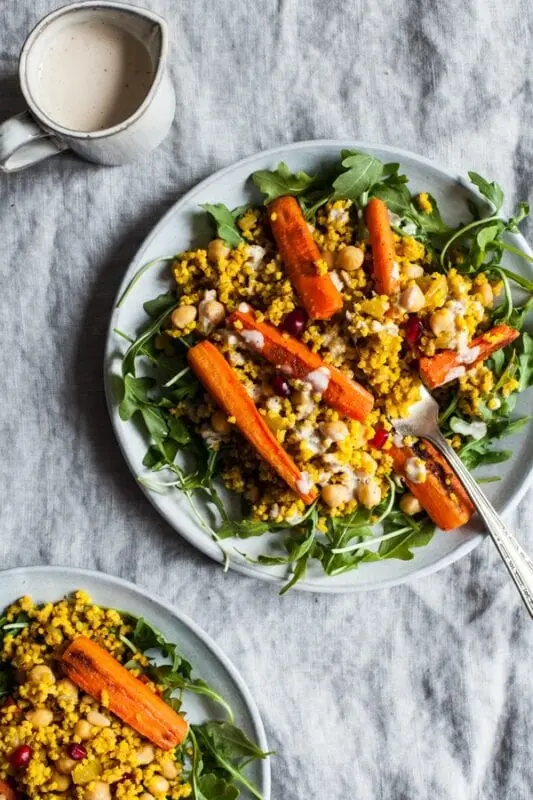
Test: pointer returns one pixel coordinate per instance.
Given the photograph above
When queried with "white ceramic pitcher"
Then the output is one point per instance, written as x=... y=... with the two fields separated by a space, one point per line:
x=33 y=136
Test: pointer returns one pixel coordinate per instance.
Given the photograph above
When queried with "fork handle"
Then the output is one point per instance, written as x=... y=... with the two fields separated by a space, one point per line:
x=516 y=560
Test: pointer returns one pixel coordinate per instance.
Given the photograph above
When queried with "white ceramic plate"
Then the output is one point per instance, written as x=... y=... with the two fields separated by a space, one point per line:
x=185 y=224
x=52 y=583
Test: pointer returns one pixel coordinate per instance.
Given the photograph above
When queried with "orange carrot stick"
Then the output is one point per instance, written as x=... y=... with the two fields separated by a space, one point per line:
x=441 y=494
x=295 y=360
x=95 y=671
x=212 y=369
x=299 y=252
x=6 y=792
x=386 y=273
x=448 y=365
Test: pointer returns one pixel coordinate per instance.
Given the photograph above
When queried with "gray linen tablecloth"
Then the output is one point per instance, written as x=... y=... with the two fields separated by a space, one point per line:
x=419 y=692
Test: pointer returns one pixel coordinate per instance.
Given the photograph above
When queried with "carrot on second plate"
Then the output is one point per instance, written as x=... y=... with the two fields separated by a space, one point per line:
x=299 y=253
x=441 y=494
x=217 y=376
x=95 y=671
x=295 y=360
x=448 y=365
x=386 y=271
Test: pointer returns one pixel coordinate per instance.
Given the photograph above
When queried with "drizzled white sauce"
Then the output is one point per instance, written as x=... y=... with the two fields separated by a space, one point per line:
x=244 y=308
x=453 y=374
x=319 y=379
x=469 y=355
x=415 y=470
x=477 y=430
x=256 y=254
x=253 y=339
x=304 y=484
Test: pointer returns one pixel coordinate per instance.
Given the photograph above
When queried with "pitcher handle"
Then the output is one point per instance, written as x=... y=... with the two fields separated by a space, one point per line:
x=23 y=143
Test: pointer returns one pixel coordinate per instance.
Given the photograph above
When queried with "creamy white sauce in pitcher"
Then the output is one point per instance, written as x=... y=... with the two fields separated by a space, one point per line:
x=93 y=75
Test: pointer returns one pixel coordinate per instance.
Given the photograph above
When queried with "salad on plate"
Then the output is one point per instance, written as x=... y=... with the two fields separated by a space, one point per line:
x=91 y=707
x=275 y=363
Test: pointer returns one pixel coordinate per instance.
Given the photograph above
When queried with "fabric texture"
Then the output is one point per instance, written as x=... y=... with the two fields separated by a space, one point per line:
x=417 y=692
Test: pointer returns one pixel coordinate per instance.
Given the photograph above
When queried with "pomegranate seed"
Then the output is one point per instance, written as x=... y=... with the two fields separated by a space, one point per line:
x=21 y=756
x=379 y=438
x=76 y=752
x=294 y=323
x=281 y=386
x=413 y=330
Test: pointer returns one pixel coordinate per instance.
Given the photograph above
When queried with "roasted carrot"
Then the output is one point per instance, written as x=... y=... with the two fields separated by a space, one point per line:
x=441 y=494
x=299 y=252
x=212 y=369
x=295 y=360
x=6 y=792
x=386 y=272
x=448 y=365
x=95 y=671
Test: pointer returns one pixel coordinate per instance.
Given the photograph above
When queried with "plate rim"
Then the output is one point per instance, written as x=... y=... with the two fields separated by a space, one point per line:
x=205 y=638
x=201 y=543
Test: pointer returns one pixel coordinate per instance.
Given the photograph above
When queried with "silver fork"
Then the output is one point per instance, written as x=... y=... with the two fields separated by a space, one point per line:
x=423 y=421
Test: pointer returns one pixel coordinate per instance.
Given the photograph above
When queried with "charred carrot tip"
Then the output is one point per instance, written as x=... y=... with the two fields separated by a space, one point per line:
x=217 y=376
x=299 y=253
x=95 y=671
x=448 y=365
x=441 y=494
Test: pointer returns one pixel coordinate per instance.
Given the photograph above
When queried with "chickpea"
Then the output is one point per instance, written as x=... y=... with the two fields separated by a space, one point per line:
x=67 y=689
x=40 y=718
x=410 y=505
x=144 y=796
x=350 y=258
x=145 y=755
x=335 y=495
x=413 y=271
x=487 y=295
x=219 y=423
x=183 y=316
x=61 y=782
x=217 y=249
x=337 y=431
x=328 y=257
x=83 y=730
x=369 y=494
x=100 y=791
x=98 y=720
x=442 y=321
x=42 y=674
x=169 y=770
x=214 y=312
x=412 y=299
x=65 y=765
x=158 y=785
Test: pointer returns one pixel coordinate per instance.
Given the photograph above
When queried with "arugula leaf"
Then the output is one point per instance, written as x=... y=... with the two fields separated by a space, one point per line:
x=525 y=362
x=215 y=788
x=397 y=197
x=225 y=223
x=136 y=348
x=244 y=529
x=230 y=749
x=173 y=679
x=492 y=191
x=280 y=181
x=416 y=533
x=161 y=304
x=430 y=223
x=362 y=172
